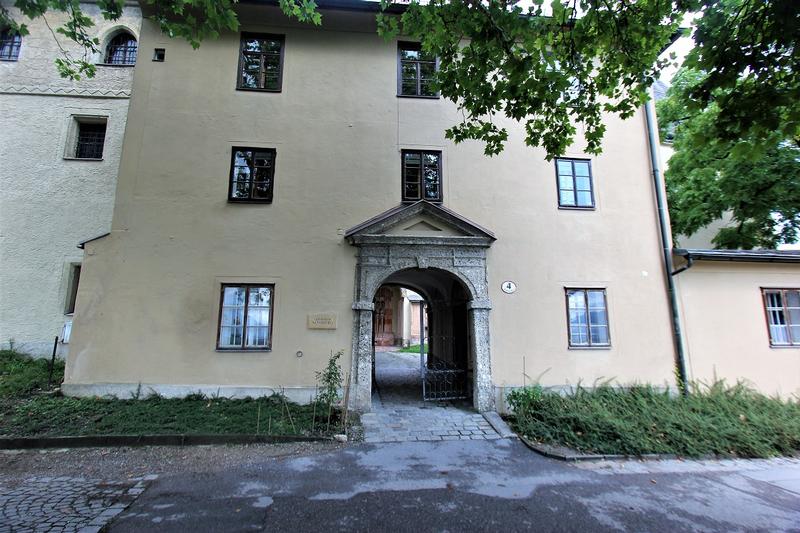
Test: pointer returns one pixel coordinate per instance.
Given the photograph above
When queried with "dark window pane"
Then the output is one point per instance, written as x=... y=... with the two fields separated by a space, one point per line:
x=426 y=88
x=9 y=46
x=121 y=50
x=260 y=63
x=91 y=137
x=252 y=174
x=412 y=191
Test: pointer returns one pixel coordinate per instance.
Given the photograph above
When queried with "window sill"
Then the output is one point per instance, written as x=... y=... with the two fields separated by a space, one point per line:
x=9 y=60
x=251 y=90
x=123 y=65
x=576 y=208
x=409 y=202
x=590 y=348
x=784 y=346
x=235 y=201
x=419 y=96
x=66 y=158
x=239 y=350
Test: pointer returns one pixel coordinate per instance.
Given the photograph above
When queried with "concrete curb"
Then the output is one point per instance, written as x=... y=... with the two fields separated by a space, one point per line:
x=563 y=453
x=23 y=443
x=499 y=425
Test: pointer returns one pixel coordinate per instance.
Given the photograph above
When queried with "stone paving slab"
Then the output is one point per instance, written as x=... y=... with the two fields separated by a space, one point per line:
x=400 y=415
x=66 y=504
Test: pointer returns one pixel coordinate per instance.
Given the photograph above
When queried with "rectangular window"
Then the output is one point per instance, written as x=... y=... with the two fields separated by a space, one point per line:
x=261 y=62
x=245 y=317
x=72 y=288
x=422 y=175
x=9 y=45
x=783 y=316
x=574 y=183
x=252 y=175
x=415 y=71
x=587 y=318
x=90 y=139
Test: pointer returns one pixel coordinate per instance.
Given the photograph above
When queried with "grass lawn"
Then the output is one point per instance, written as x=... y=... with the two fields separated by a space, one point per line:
x=25 y=411
x=722 y=420
x=413 y=348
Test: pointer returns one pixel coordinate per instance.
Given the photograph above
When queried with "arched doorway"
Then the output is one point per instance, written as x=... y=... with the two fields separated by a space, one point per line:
x=442 y=256
x=445 y=365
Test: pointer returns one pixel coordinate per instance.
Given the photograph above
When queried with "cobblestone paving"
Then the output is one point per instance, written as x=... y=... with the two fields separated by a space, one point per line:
x=65 y=504
x=399 y=414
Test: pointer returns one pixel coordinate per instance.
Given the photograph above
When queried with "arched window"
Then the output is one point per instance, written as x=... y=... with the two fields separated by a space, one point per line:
x=9 y=45
x=121 y=50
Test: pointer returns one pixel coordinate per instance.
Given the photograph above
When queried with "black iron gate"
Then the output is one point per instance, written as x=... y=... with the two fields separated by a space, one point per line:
x=444 y=374
x=442 y=380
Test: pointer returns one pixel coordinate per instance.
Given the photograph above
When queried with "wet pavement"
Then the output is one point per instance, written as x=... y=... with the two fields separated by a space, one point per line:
x=471 y=485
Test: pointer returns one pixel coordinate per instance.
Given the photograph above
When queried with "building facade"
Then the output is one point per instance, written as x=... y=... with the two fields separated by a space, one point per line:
x=60 y=147
x=275 y=179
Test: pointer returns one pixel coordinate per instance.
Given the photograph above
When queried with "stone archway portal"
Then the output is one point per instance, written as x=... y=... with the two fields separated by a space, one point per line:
x=435 y=244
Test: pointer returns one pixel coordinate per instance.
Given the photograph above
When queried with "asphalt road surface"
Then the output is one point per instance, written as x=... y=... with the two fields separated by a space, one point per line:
x=495 y=485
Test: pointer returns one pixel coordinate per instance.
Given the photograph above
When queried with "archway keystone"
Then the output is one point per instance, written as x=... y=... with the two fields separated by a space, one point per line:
x=421 y=236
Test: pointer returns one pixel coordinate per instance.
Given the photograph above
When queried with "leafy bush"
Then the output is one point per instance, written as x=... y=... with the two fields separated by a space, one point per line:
x=716 y=419
x=20 y=374
x=330 y=382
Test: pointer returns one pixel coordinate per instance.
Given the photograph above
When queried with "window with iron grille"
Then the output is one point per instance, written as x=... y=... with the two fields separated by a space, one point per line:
x=121 y=50
x=9 y=45
x=245 y=317
x=587 y=318
x=783 y=316
x=416 y=71
x=261 y=62
x=252 y=175
x=90 y=139
x=422 y=175
x=575 y=187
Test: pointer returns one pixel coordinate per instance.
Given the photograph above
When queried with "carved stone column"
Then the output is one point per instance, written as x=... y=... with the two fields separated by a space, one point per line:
x=361 y=377
x=483 y=389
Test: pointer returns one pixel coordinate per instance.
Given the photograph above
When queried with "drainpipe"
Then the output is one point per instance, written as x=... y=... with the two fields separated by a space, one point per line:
x=680 y=360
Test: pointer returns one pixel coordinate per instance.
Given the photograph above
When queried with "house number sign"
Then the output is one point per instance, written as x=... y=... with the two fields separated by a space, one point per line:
x=509 y=287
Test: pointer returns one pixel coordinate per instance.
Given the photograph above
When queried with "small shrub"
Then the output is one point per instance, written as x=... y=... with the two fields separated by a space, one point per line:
x=330 y=382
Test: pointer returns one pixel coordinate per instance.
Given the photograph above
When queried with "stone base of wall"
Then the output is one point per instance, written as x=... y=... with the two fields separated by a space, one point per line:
x=301 y=395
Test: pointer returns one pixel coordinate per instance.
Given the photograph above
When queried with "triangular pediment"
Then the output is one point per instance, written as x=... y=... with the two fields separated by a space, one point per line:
x=422 y=220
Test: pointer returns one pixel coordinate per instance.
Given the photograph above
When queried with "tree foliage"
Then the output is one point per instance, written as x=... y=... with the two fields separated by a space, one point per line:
x=554 y=65
x=759 y=188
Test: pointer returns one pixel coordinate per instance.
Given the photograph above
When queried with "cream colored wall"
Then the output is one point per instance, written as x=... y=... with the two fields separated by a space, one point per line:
x=49 y=203
x=148 y=305
x=725 y=326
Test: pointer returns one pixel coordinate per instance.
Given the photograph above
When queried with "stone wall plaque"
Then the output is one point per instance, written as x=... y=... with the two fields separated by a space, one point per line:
x=321 y=321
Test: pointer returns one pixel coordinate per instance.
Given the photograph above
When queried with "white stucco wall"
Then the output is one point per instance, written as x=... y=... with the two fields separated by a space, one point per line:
x=49 y=203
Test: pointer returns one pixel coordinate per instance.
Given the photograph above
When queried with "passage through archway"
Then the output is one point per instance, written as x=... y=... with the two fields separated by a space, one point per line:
x=429 y=306
x=442 y=256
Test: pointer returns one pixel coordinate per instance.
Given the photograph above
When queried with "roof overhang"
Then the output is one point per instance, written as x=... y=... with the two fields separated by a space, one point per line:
x=745 y=256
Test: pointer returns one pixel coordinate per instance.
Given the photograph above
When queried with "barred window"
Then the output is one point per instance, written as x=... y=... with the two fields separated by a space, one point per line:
x=587 y=316
x=261 y=62
x=121 y=50
x=783 y=316
x=416 y=71
x=245 y=317
x=422 y=175
x=9 y=45
x=90 y=139
x=252 y=175
x=574 y=183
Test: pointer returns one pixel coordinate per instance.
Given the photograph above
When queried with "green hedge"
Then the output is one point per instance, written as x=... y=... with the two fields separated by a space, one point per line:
x=717 y=419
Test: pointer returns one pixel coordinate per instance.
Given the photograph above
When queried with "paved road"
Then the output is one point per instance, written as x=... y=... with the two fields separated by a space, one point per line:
x=469 y=485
